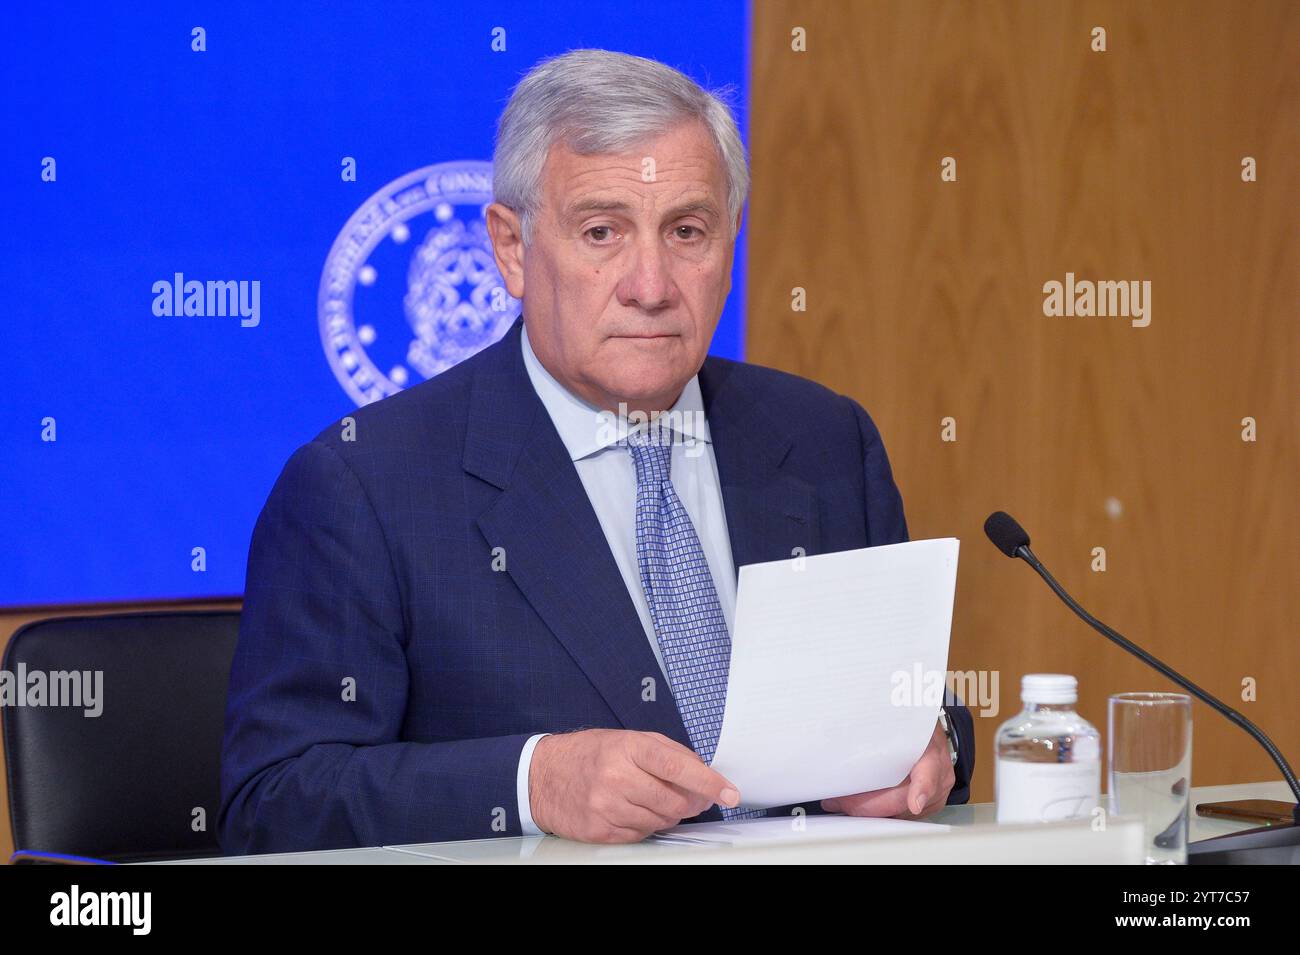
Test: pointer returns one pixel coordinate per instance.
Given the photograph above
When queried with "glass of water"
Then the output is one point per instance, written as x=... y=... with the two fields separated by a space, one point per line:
x=1151 y=768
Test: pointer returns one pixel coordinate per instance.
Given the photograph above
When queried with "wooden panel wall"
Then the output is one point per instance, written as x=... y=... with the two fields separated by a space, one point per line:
x=925 y=301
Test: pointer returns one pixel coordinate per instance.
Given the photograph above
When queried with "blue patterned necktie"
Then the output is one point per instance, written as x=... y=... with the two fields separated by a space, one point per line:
x=684 y=605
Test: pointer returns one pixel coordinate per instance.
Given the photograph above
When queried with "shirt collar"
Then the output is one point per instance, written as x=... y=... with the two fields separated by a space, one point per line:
x=586 y=429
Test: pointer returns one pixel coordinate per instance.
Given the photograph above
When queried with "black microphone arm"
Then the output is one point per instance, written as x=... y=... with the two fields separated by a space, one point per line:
x=1011 y=539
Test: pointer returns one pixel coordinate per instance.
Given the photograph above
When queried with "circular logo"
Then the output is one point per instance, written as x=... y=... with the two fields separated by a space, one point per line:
x=418 y=247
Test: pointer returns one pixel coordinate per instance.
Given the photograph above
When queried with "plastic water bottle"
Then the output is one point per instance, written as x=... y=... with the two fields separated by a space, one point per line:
x=1048 y=757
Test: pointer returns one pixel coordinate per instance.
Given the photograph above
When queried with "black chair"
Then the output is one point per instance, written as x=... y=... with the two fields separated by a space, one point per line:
x=141 y=780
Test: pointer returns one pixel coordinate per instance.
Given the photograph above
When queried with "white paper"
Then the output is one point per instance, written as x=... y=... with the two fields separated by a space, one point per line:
x=837 y=665
x=782 y=829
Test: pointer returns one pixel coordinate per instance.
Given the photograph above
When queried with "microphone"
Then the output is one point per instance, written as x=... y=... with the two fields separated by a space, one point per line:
x=1009 y=537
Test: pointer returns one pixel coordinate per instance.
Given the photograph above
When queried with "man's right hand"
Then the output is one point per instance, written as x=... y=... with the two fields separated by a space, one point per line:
x=619 y=785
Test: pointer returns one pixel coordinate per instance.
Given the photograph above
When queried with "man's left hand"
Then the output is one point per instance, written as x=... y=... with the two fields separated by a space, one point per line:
x=922 y=793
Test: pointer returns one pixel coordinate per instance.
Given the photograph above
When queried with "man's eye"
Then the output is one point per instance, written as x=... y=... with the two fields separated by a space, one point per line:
x=604 y=232
x=687 y=232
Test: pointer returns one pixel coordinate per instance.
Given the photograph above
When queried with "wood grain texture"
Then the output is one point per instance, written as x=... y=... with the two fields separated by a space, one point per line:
x=925 y=300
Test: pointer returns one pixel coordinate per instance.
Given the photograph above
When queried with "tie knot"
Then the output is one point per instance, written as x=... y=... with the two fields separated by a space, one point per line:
x=652 y=455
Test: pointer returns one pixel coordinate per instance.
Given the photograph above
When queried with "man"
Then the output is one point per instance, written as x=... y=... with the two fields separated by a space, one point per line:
x=502 y=604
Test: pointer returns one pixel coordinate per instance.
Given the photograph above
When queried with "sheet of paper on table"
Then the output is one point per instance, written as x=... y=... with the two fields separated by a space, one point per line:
x=837 y=666
x=792 y=829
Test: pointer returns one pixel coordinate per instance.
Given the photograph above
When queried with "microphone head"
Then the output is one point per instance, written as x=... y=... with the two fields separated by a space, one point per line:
x=1006 y=533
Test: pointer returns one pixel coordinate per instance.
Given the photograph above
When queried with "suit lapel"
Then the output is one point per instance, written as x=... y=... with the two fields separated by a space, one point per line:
x=771 y=515
x=555 y=549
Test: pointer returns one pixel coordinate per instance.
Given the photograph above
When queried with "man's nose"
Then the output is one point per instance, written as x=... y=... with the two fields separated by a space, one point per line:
x=648 y=281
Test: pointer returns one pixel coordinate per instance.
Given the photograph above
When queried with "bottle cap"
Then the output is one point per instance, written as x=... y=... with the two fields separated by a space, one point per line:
x=1049 y=688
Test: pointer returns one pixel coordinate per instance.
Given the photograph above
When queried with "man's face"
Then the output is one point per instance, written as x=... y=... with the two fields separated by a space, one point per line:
x=628 y=268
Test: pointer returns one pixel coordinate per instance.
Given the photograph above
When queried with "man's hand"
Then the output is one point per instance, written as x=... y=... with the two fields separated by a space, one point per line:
x=922 y=793
x=619 y=785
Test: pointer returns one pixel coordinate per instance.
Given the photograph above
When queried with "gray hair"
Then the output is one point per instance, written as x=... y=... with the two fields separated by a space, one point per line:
x=599 y=101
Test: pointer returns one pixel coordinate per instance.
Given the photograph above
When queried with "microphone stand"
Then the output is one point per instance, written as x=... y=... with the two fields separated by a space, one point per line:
x=1265 y=845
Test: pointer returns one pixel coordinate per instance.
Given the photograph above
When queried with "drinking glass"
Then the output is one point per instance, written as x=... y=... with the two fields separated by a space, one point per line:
x=1151 y=768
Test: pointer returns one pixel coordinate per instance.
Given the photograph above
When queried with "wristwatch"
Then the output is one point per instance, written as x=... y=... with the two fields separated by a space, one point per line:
x=948 y=732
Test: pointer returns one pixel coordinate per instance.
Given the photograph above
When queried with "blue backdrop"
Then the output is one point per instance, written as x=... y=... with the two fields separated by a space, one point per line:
x=226 y=165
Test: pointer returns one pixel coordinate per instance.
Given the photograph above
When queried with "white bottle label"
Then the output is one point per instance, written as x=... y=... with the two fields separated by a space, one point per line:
x=1044 y=792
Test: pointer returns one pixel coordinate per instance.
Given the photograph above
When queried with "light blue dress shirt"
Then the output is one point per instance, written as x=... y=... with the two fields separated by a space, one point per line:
x=607 y=475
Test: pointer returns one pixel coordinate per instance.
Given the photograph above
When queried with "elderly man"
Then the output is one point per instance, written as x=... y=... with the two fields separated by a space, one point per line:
x=505 y=607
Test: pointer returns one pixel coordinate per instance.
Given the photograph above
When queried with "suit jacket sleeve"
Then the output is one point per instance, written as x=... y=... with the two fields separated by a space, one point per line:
x=313 y=755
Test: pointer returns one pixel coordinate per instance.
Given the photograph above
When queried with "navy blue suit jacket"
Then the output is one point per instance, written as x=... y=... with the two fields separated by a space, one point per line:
x=388 y=672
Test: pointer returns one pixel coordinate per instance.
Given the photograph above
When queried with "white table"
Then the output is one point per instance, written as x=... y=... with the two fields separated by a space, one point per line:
x=974 y=837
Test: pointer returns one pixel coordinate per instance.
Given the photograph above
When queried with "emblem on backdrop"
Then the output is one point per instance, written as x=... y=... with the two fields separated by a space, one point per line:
x=417 y=248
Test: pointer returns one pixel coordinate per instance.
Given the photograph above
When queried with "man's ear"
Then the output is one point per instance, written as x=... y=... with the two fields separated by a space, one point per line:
x=507 y=234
